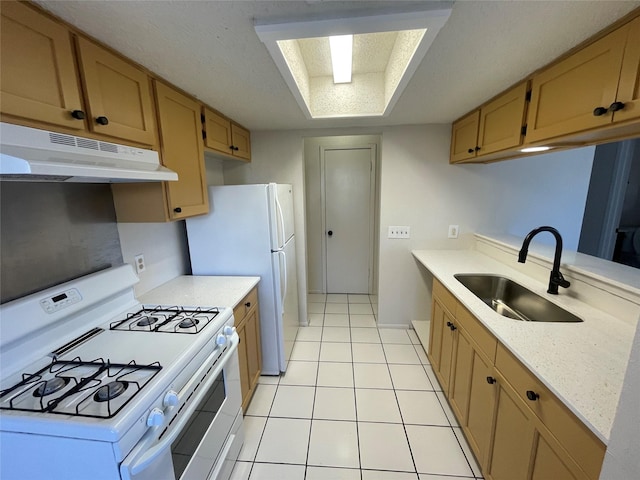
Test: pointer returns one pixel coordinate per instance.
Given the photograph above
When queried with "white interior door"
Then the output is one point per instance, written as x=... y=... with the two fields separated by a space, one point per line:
x=348 y=200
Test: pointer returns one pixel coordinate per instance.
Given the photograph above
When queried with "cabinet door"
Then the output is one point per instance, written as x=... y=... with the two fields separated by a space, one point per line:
x=442 y=346
x=513 y=437
x=629 y=88
x=550 y=461
x=564 y=96
x=218 y=131
x=118 y=95
x=182 y=152
x=501 y=121
x=244 y=368
x=482 y=395
x=38 y=78
x=461 y=381
x=464 y=138
x=254 y=355
x=241 y=141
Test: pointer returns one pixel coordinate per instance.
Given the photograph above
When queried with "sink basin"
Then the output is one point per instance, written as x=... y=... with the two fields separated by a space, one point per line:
x=512 y=300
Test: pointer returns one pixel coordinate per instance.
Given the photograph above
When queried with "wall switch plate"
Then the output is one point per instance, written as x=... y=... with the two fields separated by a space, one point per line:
x=399 y=232
x=140 y=265
x=453 y=231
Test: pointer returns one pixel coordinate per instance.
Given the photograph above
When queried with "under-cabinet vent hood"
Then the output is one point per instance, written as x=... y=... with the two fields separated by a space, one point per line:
x=29 y=154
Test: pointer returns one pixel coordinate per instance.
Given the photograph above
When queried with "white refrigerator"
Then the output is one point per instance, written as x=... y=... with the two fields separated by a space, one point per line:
x=249 y=231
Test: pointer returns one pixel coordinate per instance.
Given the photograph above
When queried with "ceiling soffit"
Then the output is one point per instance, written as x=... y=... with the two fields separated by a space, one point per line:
x=387 y=50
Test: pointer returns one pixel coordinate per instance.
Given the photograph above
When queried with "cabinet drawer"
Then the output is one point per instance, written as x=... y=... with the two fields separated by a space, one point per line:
x=445 y=297
x=579 y=441
x=480 y=335
x=245 y=305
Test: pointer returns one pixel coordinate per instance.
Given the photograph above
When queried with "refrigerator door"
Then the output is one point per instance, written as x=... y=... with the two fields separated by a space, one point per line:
x=284 y=271
x=235 y=239
x=281 y=202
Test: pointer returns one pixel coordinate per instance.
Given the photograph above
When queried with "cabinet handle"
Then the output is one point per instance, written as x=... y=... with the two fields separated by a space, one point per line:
x=477 y=148
x=78 y=114
x=451 y=326
x=533 y=396
x=248 y=304
x=615 y=106
x=233 y=147
x=491 y=380
x=177 y=210
x=599 y=111
x=471 y=150
x=102 y=121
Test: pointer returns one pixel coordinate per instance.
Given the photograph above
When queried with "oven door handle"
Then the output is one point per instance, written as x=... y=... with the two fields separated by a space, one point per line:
x=140 y=456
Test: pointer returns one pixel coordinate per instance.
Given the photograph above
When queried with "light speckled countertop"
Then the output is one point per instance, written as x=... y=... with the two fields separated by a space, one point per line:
x=582 y=363
x=201 y=291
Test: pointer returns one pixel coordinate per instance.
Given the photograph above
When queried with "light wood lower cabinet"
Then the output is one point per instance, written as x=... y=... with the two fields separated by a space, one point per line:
x=516 y=427
x=247 y=323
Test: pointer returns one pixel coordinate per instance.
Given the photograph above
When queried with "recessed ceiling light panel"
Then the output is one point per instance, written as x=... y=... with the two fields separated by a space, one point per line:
x=341 y=47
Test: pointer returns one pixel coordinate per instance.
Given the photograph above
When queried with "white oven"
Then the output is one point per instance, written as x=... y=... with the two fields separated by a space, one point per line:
x=102 y=387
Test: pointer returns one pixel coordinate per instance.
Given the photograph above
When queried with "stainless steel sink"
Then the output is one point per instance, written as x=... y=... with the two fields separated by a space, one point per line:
x=512 y=300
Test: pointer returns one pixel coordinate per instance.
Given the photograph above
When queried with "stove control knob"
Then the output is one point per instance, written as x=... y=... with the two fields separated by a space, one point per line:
x=221 y=340
x=171 y=399
x=155 y=418
x=228 y=330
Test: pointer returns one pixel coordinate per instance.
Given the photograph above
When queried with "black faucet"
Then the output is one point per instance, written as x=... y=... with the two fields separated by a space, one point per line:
x=555 y=279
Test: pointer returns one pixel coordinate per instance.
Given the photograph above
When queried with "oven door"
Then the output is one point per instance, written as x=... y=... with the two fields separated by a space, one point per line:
x=196 y=442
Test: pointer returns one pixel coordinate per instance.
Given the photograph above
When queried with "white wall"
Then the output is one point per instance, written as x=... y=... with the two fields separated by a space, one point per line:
x=621 y=461
x=420 y=189
x=164 y=246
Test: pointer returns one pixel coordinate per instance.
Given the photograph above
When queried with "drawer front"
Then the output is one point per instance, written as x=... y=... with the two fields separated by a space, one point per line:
x=480 y=335
x=580 y=442
x=445 y=297
x=244 y=307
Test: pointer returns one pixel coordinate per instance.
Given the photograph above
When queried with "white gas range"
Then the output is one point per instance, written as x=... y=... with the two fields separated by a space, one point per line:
x=103 y=387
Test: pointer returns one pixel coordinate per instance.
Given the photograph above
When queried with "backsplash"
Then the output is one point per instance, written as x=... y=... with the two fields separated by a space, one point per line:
x=53 y=232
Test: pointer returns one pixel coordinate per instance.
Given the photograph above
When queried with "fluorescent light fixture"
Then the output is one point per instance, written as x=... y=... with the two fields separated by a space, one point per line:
x=341 y=47
x=535 y=149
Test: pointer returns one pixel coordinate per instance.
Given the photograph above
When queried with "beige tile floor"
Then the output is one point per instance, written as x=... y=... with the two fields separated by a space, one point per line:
x=357 y=403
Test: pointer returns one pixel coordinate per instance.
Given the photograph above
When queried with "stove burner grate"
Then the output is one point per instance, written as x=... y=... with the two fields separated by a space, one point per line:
x=172 y=319
x=88 y=387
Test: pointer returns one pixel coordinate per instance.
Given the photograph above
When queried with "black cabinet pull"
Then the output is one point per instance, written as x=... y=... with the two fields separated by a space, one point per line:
x=248 y=304
x=451 y=326
x=491 y=380
x=471 y=150
x=177 y=210
x=78 y=114
x=615 y=106
x=102 y=121
x=533 y=396
x=599 y=111
x=233 y=147
x=477 y=148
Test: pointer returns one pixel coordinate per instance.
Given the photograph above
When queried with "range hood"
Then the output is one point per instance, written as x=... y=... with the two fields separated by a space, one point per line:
x=30 y=154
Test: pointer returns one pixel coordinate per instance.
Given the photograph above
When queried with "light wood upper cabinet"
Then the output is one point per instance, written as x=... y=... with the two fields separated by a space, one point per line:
x=38 y=78
x=495 y=127
x=119 y=99
x=501 y=121
x=629 y=86
x=182 y=151
x=464 y=137
x=225 y=136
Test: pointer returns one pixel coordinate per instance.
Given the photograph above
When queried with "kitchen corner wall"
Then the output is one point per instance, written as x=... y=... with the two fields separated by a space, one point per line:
x=420 y=189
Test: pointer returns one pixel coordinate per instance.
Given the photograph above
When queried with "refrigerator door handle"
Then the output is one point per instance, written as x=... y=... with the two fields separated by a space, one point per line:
x=283 y=292
x=279 y=209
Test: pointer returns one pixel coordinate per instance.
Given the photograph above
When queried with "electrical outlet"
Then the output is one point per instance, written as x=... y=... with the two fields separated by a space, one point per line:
x=140 y=265
x=399 y=232
x=453 y=231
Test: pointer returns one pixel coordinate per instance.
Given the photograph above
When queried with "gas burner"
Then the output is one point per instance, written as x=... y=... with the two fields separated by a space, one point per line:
x=110 y=391
x=147 y=321
x=189 y=323
x=50 y=386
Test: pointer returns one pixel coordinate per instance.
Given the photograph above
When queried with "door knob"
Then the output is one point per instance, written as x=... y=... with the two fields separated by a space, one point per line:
x=330 y=232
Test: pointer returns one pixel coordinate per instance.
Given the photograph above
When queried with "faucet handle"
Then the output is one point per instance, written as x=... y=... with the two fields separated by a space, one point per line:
x=558 y=279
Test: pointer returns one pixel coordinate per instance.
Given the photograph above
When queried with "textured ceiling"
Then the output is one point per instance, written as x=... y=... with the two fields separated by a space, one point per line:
x=210 y=49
